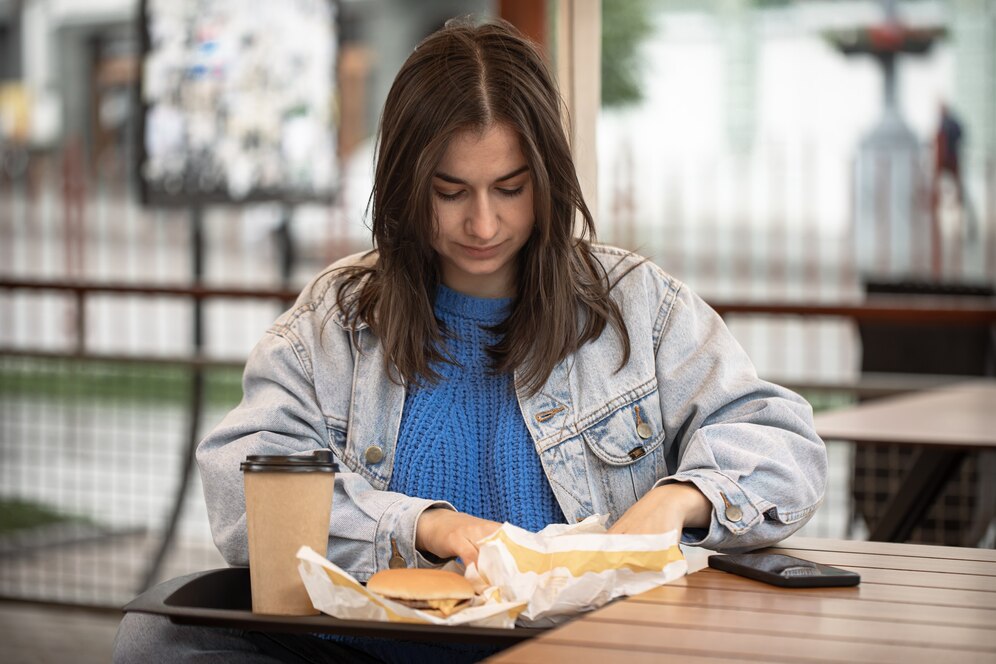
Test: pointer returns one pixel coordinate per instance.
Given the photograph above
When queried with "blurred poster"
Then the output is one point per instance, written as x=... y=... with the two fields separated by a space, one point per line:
x=237 y=99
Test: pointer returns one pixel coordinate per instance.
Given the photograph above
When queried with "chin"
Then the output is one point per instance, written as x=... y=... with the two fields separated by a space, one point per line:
x=480 y=268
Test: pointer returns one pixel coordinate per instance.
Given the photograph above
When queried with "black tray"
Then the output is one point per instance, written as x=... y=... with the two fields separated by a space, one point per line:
x=222 y=598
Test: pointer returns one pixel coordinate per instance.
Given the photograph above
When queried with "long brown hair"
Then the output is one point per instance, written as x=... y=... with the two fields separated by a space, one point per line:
x=468 y=76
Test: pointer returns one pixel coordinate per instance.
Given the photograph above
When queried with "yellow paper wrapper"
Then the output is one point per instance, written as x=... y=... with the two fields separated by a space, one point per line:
x=567 y=569
x=335 y=592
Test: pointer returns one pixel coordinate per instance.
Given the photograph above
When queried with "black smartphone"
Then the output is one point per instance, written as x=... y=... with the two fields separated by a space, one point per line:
x=781 y=570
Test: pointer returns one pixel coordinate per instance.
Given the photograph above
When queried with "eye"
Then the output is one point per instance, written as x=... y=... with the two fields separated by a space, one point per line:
x=446 y=196
x=512 y=193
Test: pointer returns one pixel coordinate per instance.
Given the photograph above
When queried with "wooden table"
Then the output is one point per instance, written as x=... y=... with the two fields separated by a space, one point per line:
x=916 y=603
x=944 y=423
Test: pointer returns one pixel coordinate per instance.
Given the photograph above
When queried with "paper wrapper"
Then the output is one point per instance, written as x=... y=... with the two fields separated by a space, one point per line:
x=529 y=579
x=338 y=594
x=567 y=569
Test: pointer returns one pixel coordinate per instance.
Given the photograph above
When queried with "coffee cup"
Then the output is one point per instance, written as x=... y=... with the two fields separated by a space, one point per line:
x=288 y=504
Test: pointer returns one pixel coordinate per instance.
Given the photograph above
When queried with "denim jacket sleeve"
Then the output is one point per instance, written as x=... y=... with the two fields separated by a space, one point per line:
x=747 y=444
x=281 y=413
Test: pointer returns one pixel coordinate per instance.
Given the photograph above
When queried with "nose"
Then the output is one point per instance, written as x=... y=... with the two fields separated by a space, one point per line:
x=482 y=219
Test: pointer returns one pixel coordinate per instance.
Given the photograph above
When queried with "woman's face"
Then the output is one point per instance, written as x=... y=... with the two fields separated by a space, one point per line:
x=483 y=200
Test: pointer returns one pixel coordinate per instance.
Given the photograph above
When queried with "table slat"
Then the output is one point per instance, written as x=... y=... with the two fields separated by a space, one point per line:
x=767 y=602
x=713 y=641
x=911 y=563
x=782 y=623
x=865 y=591
x=888 y=548
x=562 y=653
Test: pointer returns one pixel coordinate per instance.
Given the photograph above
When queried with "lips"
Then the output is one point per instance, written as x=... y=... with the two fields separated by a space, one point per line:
x=481 y=252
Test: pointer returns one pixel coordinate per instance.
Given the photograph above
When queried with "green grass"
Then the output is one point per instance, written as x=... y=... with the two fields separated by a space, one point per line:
x=132 y=382
x=19 y=514
x=827 y=399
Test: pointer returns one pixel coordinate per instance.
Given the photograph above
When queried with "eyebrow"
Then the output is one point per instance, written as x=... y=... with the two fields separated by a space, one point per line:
x=507 y=176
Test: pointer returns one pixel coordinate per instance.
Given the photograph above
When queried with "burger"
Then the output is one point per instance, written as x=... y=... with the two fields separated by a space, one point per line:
x=432 y=590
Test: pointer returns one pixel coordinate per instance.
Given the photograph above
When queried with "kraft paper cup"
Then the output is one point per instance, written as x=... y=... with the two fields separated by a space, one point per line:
x=288 y=504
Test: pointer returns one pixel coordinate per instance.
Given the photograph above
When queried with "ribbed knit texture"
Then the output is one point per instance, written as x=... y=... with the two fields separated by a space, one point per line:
x=463 y=439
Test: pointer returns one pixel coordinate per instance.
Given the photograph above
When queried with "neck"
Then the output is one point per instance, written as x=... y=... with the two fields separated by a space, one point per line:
x=484 y=285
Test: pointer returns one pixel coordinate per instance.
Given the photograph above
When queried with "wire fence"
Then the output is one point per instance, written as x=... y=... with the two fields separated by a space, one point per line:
x=92 y=453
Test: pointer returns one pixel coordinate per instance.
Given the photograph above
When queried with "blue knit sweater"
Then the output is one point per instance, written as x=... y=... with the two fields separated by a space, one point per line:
x=463 y=439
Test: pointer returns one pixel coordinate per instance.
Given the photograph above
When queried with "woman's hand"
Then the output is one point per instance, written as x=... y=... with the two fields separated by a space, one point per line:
x=448 y=534
x=668 y=507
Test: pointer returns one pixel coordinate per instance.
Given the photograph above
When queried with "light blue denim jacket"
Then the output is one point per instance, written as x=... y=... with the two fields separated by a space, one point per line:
x=687 y=407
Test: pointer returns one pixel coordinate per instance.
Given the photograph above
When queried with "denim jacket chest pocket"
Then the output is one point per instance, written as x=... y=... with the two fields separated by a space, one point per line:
x=624 y=454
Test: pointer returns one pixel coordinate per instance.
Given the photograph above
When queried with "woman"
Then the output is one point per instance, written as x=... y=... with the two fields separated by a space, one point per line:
x=487 y=363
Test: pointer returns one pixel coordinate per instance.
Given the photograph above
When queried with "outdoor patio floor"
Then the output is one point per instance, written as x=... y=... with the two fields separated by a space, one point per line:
x=44 y=634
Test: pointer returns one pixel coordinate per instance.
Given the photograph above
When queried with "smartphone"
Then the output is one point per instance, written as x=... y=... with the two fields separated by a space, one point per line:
x=786 y=571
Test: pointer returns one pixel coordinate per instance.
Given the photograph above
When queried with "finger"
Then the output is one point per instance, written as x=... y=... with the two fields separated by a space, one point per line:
x=467 y=552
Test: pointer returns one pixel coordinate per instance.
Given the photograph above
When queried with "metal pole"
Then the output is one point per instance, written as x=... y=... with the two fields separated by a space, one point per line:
x=196 y=400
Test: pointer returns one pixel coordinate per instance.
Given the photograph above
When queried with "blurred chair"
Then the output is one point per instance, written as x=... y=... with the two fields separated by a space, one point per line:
x=965 y=508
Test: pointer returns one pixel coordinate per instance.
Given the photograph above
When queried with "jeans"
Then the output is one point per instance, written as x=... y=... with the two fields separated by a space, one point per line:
x=151 y=638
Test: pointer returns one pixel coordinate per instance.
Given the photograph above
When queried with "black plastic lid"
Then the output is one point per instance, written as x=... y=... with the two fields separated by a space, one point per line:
x=319 y=461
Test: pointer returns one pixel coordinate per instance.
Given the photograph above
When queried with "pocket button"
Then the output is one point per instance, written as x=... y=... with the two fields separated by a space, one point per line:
x=374 y=454
x=643 y=430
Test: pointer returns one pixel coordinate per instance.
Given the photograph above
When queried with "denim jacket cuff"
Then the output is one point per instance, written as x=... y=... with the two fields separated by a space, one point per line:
x=733 y=512
x=396 y=532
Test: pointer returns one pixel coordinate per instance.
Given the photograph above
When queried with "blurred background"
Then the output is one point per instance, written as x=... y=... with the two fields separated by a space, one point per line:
x=172 y=172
